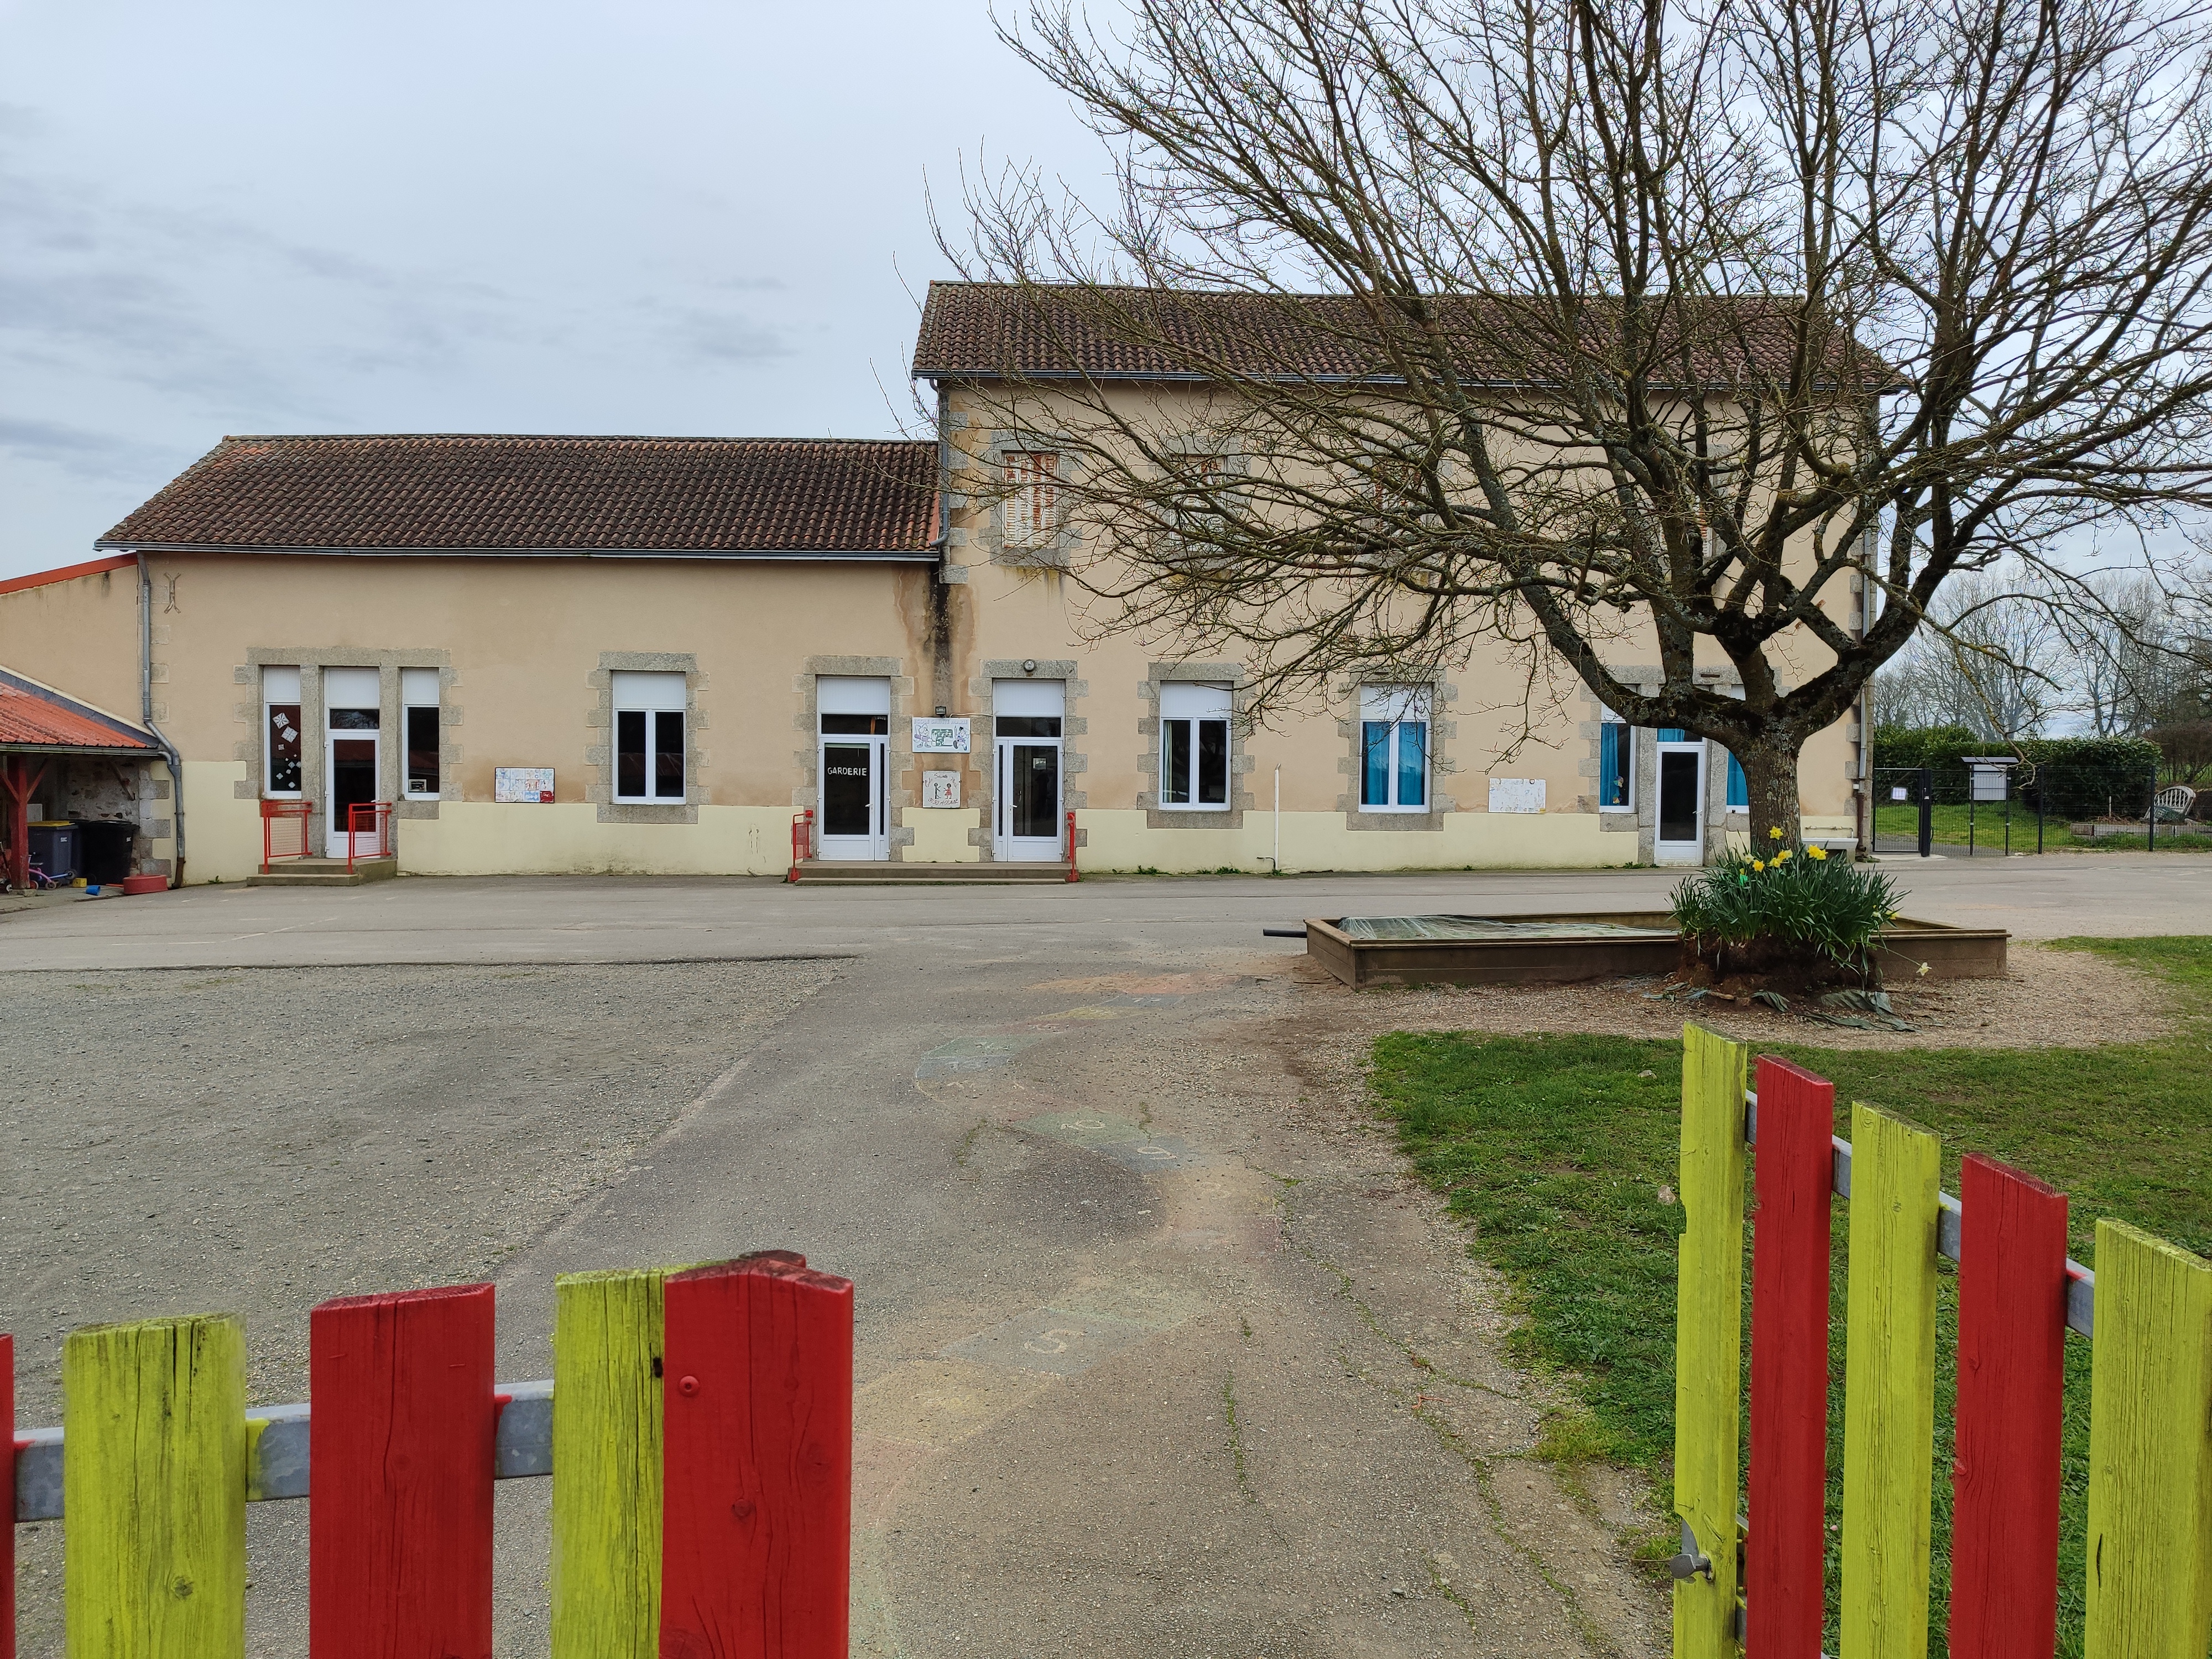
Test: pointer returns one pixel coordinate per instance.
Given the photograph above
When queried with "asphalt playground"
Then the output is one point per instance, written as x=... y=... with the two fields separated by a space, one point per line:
x=1159 y=1351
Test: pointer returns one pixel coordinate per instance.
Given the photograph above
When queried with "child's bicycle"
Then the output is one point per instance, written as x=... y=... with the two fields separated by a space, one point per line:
x=41 y=882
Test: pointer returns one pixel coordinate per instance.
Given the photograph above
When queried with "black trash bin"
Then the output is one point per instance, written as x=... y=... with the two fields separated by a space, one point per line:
x=55 y=848
x=103 y=849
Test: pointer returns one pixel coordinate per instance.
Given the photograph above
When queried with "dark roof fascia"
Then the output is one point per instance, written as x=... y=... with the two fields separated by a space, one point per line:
x=145 y=751
x=1000 y=376
x=557 y=438
x=856 y=556
x=935 y=374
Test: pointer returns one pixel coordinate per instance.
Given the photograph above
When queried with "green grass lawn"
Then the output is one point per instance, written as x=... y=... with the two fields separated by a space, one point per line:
x=1561 y=1153
x=1897 y=825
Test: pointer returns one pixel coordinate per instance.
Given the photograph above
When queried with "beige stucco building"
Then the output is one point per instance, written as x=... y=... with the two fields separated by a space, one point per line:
x=653 y=655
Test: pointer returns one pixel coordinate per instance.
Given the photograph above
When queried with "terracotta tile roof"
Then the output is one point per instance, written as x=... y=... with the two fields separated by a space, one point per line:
x=35 y=716
x=442 y=492
x=992 y=330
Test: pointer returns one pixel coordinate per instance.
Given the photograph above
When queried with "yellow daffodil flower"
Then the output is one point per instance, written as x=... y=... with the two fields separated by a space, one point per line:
x=1774 y=835
x=1816 y=852
x=1782 y=857
x=1757 y=865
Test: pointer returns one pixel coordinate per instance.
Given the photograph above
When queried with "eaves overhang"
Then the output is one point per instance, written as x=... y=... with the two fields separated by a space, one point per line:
x=782 y=554
x=138 y=752
x=1157 y=377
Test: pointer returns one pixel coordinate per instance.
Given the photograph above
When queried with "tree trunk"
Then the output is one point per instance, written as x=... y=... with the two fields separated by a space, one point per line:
x=1770 y=767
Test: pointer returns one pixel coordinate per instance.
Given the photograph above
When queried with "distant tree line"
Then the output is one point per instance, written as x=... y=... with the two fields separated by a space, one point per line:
x=2007 y=659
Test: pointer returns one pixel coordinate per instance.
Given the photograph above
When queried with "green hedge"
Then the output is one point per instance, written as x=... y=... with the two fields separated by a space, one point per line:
x=2078 y=777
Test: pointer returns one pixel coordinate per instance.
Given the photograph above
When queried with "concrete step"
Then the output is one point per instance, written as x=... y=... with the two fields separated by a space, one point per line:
x=325 y=872
x=837 y=873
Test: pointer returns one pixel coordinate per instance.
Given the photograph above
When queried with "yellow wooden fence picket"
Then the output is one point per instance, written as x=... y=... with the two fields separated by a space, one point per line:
x=1889 y=1387
x=2150 y=1450
x=607 y=1332
x=153 y=1414
x=1708 y=1343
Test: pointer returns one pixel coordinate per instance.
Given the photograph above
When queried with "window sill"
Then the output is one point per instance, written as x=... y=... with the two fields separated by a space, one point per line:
x=623 y=810
x=1397 y=812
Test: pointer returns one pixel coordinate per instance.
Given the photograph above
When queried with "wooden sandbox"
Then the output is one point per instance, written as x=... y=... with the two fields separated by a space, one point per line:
x=1604 y=945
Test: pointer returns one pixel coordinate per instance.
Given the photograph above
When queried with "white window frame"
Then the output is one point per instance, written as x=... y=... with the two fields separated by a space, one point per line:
x=412 y=683
x=1195 y=704
x=1399 y=706
x=1031 y=508
x=1627 y=750
x=650 y=694
x=268 y=748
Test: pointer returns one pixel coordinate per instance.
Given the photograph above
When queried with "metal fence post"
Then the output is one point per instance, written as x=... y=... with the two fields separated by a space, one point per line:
x=1927 y=812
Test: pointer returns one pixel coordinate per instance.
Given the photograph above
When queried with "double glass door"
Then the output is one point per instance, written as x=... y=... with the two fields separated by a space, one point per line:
x=856 y=819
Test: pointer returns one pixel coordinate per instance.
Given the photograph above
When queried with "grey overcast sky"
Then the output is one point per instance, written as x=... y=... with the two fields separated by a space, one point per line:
x=479 y=216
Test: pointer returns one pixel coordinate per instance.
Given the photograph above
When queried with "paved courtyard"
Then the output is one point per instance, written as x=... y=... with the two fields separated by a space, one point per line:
x=1159 y=1352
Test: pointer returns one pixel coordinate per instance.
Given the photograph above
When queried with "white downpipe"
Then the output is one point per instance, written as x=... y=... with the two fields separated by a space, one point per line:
x=1277 y=860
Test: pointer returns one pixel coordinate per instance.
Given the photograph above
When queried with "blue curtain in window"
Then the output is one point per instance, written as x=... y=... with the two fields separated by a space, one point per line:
x=1612 y=764
x=1375 y=767
x=1413 y=763
x=1739 y=786
x=1673 y=734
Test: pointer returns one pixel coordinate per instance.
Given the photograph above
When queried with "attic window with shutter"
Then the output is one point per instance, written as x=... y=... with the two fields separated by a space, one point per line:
x=1032 y=498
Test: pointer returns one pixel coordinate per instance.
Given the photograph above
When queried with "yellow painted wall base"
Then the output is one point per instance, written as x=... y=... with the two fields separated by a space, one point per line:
x=1320 y=841
x=940 y=834
x=482 y=838
x=223 y=834
x=486 y=838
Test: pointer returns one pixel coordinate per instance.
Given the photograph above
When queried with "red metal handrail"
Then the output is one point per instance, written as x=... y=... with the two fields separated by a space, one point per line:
x=368 y=831
x=802 y=840
x=1071 y=873
x=292 y=814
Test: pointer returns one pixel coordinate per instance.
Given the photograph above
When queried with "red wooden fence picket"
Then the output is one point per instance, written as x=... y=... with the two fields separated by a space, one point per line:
x=756 y=1499
x=399 y=1517
x=2012 y=1365
x=1793 y=1163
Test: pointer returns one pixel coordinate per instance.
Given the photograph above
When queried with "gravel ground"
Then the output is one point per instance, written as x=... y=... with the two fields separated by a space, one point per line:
x=257 y=1141
x=2049 y=999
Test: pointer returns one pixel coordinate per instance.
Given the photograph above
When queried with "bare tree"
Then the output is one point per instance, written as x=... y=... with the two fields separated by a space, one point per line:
x=1652 y=323
x=1997 y=659
x=2139 y=655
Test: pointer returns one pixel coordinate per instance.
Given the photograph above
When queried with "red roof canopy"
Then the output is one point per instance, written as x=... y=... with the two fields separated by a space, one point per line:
x=35 y=716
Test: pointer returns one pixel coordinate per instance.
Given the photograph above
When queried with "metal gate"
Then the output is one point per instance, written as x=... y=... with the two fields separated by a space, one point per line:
x=1904 y=809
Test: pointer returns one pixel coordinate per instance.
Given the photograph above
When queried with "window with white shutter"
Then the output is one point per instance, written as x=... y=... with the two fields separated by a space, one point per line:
x=1032 y=498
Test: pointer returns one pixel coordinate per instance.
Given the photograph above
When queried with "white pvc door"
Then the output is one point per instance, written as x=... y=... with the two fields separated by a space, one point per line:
x=352 y=714
x=852 y=821
x=1679 y=815
x=1027 y=717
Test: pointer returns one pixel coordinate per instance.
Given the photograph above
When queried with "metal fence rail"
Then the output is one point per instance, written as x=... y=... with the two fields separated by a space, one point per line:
x=276 y=1450
x=2008 y=807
